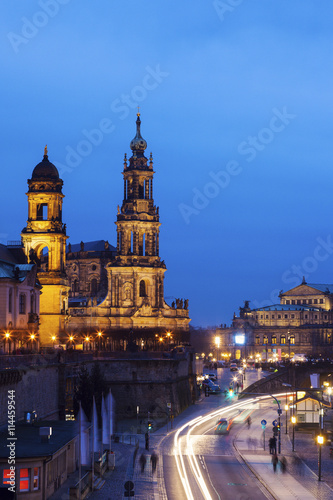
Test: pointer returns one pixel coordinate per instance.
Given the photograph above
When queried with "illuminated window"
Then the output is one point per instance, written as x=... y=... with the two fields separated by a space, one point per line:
x=24 y=480
x=257 y=339
x=22 y=304
x=7 y=477
x=329 y=338
x=265 y=339
x=273 y=339
x=292 y=340
x=283 y=339
x=36 y=478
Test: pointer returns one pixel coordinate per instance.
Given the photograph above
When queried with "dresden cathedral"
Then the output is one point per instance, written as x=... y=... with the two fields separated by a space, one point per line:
x=93 y=291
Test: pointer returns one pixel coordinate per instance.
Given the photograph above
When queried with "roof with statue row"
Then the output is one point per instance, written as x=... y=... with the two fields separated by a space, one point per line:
x=285 y=307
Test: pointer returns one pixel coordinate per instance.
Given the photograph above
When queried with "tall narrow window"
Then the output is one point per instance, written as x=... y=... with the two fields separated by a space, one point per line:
x=10 y=300
x=32 y=303
x=93 y=286
x=142 y=289
x=42 y=211
x=24 y=480
x=36 y=478
x=22 y=304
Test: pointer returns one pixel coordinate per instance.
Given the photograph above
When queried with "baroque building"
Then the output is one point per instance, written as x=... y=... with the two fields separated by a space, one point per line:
x=19 y=300
x=46 y=233
x=301 y=324
x=134 y=272
x=94 y=287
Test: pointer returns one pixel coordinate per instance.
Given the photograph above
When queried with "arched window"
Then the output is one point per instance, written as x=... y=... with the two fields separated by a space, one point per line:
x=257 y=339
x=93 y=286
x=273 y=339
x=143 y=289
x=283 y=339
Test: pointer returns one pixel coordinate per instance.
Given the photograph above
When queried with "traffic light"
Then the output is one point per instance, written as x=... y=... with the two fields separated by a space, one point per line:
x=149 y=425
x=231 y=393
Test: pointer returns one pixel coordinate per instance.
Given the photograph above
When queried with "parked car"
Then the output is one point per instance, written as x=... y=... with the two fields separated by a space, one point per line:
x=212 y=377
x=213 y=388
x=233 y=367
x=223 y=426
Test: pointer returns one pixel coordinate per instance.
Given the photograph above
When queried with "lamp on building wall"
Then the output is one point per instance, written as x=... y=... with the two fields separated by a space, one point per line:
x=54 y=338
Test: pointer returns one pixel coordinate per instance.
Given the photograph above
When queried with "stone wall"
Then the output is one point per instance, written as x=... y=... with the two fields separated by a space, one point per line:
x=36 y=389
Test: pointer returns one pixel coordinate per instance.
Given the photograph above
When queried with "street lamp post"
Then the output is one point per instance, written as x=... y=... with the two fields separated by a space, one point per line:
x=99 y=340
x=320 y=441
x=286 y=407
x=293 y=421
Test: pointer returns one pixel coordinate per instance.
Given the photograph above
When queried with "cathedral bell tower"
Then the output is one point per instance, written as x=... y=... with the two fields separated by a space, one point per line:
x=138 y=221
x=136 y=276
x=46 y=233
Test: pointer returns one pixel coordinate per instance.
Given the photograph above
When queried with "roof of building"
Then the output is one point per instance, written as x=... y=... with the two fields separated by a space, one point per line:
x=322 y=288
x=285 y=307
x=29 y=442
x=91 y=246
x=45 y=169
x=11 y=267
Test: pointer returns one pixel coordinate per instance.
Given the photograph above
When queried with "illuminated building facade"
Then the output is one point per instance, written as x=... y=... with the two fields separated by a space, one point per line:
x=19 y=300
x=46 y=233
x=301 y=323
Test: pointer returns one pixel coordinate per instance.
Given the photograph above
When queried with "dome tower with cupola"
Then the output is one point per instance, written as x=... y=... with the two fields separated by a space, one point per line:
x=44 y=240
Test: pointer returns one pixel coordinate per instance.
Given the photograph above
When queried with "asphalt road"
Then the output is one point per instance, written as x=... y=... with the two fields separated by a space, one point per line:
x=218 y=472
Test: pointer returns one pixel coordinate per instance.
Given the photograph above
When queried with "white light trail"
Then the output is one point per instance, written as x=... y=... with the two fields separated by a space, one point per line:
x=192 y=424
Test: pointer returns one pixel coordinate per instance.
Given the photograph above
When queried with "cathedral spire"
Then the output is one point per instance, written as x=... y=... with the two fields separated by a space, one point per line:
x=138 y=144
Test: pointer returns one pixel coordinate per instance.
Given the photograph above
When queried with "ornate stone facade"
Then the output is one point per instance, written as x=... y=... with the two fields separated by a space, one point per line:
x=301 y=323
x=46 y=232
x=135 y=273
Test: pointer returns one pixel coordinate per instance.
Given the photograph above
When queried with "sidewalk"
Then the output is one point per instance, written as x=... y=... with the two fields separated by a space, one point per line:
x=299 y=481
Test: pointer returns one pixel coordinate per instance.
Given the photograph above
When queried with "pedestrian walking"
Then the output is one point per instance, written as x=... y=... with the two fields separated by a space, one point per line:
x=274 y=445
x=248 y=421
x=135 y=452
x=283 y=464
x=154 y=460
x=274 y=461
x=270 y=444
x=143 y=461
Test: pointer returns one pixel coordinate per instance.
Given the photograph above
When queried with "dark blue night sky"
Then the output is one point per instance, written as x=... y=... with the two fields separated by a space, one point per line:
x=236 y=106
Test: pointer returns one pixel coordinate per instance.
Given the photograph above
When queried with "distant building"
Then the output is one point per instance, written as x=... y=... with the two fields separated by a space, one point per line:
x=301 y=324
x=19 y=300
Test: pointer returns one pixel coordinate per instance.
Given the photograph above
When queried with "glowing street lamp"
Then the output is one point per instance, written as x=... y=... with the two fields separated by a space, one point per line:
x=71 y=338
x=293 y=421
x=320 y=441
x=99 y=340
x=7 y=337
x=53 y=340
x=286 y=407
x=217 y=343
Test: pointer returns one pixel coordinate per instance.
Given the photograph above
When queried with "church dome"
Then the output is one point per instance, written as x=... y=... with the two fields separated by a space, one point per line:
x=45 y=169
x=138 y=144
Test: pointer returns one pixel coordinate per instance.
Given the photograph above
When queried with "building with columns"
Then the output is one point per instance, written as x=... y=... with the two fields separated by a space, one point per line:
x=46 y=233
x=94 y=287
x=134 y=301
x=301 y=324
